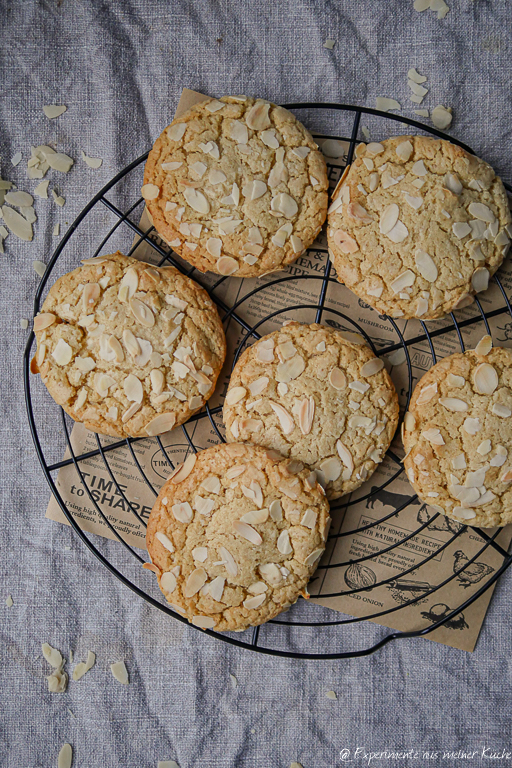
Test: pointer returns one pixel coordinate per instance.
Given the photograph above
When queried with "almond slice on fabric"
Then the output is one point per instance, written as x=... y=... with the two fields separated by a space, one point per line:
x=92 y=162
x=54 y=110
x=120 y=672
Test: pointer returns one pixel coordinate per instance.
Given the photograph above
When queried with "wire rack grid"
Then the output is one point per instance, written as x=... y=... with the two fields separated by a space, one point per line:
x=291 y=623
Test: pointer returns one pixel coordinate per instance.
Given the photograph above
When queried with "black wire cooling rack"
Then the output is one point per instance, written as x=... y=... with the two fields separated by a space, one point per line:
x=290 y=634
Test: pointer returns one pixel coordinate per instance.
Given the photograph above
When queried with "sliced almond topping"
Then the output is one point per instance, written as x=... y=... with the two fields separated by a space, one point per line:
x=455 y=381
x=337 y=379
x=453 y=404
x=345 y=456
x=427 y=393
x=257 y=118
x=247 y=532
x=229 y=561
x=182 y=512
x=345 y=242
x=216 y=588
x=389 y=218
x=194 y=582
x=150 y=191
x=235 y=394
x=330 y=470
x=461 y=229
x=142 y=313
x=164 y=422
x=501 y=410
x=418 y=169
x=484 y=448
x=254 y=602
x=168 y=581
x=426 y=266
x=285 y=204
x=409 y=422
x=285 y=420
x=371 y=367
x=116 y=348
x=309 y=519
x=256 y=517
x=485 y=379
x=398 y=233
x=290 y=369
x=311 y=560
x=404 y=280
x=306 y=415
x=414 y=202
x=357 y=212
x=62 y=353
x=374 y=148
x=258 y=588
x=226 y=265
x=157 y=381
x=452 y=182
x=131 y=411
x=176 y=130
x=44 y=320
x=133 y=388
x=480 y=279
x=165 y=542
x=258 y=386
x=433 y=436
x=284 y=544
x=471 y=426
x=404 y=150
x=131 y=343
x=271 y=573
x=184 y=470
x=500 y=458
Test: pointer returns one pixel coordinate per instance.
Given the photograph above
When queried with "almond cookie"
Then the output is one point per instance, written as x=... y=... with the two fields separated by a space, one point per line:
x=235 y=535
x=417 y=226
x=128 y=349
x=236 y=186
x=458 y=436
x=313 y=396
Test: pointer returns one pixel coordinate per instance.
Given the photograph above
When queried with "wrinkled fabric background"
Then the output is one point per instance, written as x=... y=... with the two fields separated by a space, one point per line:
x=120 y=67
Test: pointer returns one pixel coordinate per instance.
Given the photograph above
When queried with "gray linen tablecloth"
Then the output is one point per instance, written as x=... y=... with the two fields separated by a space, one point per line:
x=120 y=68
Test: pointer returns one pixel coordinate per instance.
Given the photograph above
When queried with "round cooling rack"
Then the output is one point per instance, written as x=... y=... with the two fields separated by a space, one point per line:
x=305 y=626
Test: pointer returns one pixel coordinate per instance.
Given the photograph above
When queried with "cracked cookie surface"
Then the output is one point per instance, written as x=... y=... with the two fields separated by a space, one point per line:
x=236 y=186
x=235 y=535
x=310 y=394
x=458 y=437
x=128 y=349
x=417 y=226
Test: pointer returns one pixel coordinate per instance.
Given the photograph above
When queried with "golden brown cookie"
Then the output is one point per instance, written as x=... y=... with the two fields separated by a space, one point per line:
x=458 y=436
x=236 y=186
x=128 y=349
x=310 y=394
x=417 y=226
x=235 y=535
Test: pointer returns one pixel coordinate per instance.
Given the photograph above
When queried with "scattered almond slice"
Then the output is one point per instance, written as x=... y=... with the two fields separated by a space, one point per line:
x=84 y=666
x=441 y=117
x=56 y=230
x=385 y=104
x=92 y=162
x=59 y=161
x=54 y=110
x=120 y=672
x=58 y=199
x=65 y=758
x=331 y=695
x=329 y=44
x=16 y=159
x=17 y=223
x=9 y=601
x=167 y=764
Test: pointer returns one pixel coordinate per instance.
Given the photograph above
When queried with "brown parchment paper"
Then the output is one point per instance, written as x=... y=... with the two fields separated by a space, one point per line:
x=344 y=311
